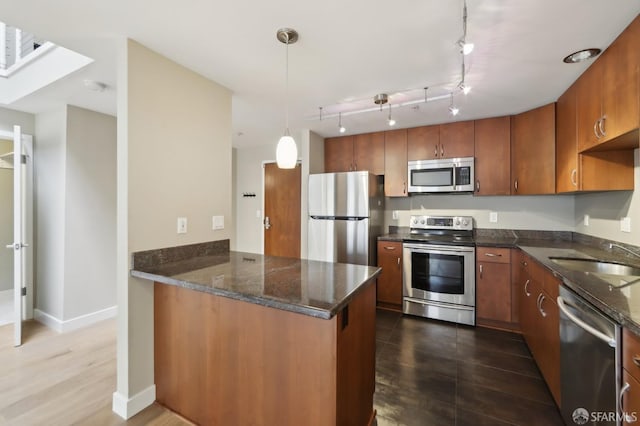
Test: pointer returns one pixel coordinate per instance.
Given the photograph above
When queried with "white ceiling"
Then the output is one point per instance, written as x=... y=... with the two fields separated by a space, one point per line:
x=348 y=52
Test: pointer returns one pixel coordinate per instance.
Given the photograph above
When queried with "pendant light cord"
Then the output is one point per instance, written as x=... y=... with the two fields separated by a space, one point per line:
x=286 y=101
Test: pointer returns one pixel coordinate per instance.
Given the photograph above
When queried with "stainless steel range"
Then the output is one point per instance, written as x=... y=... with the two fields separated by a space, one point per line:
x=439 y=269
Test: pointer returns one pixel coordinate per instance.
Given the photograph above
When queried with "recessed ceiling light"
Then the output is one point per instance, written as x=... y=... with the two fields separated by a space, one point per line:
x=581 y=55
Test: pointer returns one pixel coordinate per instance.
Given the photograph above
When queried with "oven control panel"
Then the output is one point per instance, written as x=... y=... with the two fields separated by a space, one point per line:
x=442 y=222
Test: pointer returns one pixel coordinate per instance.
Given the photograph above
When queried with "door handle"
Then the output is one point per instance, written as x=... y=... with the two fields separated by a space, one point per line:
x=16 y=246
x=481 y=271
x=267 y=224
x=574 y=175
x=515 y=185
x=601 y=126
x=477 y=185
x=611 y=341
x=525 y=288
x=435 y=151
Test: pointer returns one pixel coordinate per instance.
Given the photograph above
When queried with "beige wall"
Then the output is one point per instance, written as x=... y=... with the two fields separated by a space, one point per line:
x=6 y=220
x=174 y=159
x=607 y=208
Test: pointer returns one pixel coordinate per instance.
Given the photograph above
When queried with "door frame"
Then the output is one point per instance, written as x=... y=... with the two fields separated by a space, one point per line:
x=27 y=144
x=302 y=223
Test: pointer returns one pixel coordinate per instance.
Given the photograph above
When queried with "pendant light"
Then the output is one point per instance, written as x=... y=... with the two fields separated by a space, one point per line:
x=341 y=128
x=287 y=151
x=391 y=121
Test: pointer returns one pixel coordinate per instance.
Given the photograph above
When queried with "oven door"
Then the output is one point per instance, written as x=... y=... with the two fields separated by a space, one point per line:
x=439 y=273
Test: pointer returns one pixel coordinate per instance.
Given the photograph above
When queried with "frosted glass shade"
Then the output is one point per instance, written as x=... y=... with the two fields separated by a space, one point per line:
x=286 y=153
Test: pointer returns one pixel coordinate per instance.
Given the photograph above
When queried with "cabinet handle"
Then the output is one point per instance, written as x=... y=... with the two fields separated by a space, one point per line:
x=636 y=360
x=515 y=185
x=389 y=248
x=478 y=186
x=595 y=129
x=574 y=177
x=625 y=388
x=435 y=151
x=404 y=187
x=493 y=254
x=398 y=261
x=525 y=288
x=601 y=126
x=480 y=271
x=541 y=299
x=441 y=151
x=355 y=167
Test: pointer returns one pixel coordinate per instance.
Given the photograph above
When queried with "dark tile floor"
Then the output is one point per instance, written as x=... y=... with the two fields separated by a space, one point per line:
x=437 y=373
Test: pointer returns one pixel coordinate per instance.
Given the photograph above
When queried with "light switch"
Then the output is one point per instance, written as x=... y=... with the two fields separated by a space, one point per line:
x=218 y=222
x=182 y=225
x=625 y=224
x=493 y=217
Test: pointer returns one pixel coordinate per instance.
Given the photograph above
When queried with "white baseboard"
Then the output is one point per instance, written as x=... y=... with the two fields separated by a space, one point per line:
x=63 y=326
x=129 y=407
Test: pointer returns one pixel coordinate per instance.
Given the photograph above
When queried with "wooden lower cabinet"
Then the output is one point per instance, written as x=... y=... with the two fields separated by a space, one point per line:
x=540 y=321
x=630 y=399
x=493 y=287
x=221 y=361
x=390 y=280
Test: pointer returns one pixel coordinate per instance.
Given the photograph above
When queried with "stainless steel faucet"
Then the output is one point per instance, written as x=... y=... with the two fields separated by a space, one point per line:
x=612 y=245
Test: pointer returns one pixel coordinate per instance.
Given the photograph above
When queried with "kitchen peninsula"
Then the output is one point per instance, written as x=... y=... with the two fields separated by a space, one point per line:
x=242 y=338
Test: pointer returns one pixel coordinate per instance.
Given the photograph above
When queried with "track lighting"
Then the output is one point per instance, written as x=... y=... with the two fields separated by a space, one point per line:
x=452 y=108
x=465 y=48
x=464 y=88
x=391 y=121
x=341 y=128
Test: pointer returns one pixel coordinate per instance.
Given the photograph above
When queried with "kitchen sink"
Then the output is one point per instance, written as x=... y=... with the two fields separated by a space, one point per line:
x=596 y=266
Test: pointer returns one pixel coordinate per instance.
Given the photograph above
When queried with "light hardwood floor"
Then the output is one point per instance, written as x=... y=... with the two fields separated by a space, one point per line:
x=65 y=379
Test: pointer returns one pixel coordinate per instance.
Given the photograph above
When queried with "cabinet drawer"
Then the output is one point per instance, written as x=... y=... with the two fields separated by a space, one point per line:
x=631 y=351
x=393 y=247
x=493 y=254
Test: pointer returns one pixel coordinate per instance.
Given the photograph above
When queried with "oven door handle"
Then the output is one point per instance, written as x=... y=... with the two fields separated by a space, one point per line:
x=611 y=341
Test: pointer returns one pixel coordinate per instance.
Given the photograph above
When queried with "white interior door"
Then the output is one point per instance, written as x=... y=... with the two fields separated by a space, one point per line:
x=18 y=241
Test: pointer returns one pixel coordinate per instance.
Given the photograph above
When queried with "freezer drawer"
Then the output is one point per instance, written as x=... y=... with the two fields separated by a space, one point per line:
x=339 y=240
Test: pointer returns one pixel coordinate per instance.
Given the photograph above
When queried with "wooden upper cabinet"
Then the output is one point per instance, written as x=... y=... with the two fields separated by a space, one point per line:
x=533 y=151
x=566 y=142
x=423 y=143
x=338 y=154
x=456 y=139
x=395 y=163
x=608 y=96
x=493 y=156
x=368 y=152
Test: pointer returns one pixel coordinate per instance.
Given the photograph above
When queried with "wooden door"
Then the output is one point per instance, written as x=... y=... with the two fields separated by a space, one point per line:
x=630 y=399
x=493 y=156
x=548 y=357
x=493 y=289
x=395 y=163
x=620 y=83
x=423 y=143
x=456 y=139
x=338 y=154
x=368 y=152
x=533 y=151
x=390 y=280
x=567 y=143
x=282 y=211
x=589 y=105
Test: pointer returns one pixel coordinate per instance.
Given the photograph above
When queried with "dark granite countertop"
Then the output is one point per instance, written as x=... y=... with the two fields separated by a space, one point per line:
x=621 y=304
x=318 y=289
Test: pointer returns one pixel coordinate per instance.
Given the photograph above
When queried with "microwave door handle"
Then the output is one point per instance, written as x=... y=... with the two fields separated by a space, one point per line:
x=454 y=177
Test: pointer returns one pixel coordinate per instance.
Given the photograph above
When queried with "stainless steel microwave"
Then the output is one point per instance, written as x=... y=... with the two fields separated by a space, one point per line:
x=443 y=175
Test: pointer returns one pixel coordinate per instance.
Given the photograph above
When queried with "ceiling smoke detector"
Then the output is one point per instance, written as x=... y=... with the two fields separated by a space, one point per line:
x=381 y=99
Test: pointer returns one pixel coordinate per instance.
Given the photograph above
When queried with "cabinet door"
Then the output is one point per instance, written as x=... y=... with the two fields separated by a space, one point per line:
x=620 y=106
x=630 y=399
x=493 y=154
x=566 y=143
x=533 y=151
x=456 y=139
x=493 y=291
x=395 y=163
x=423 y=143
x=390 y=279
x=368 y=152
x=548 y=357
x=518 y=274
x=589 y=105
x=338 y=154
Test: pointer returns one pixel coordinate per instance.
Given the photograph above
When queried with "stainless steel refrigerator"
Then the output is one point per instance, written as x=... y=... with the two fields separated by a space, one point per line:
x=346 y=215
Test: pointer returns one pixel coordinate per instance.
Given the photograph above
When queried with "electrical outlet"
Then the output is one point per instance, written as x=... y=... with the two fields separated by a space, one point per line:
x=625 y=224
x=493 y=217
x=182 y=225
x=586 y=220
x=395 y=215
x=218 y=222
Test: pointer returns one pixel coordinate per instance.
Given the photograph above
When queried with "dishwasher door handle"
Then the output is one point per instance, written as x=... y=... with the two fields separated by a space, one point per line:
x=611 y=341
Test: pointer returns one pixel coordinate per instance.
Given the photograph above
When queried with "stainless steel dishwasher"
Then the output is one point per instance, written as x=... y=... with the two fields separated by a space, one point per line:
x=590 y=363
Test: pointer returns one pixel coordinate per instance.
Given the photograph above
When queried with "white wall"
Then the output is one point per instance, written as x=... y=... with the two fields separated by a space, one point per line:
x=90 y=213
x=607 y=208
x=174 y=159
x=49 y=170
x=6 y=220
x=10 y=118
x=542 y=212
